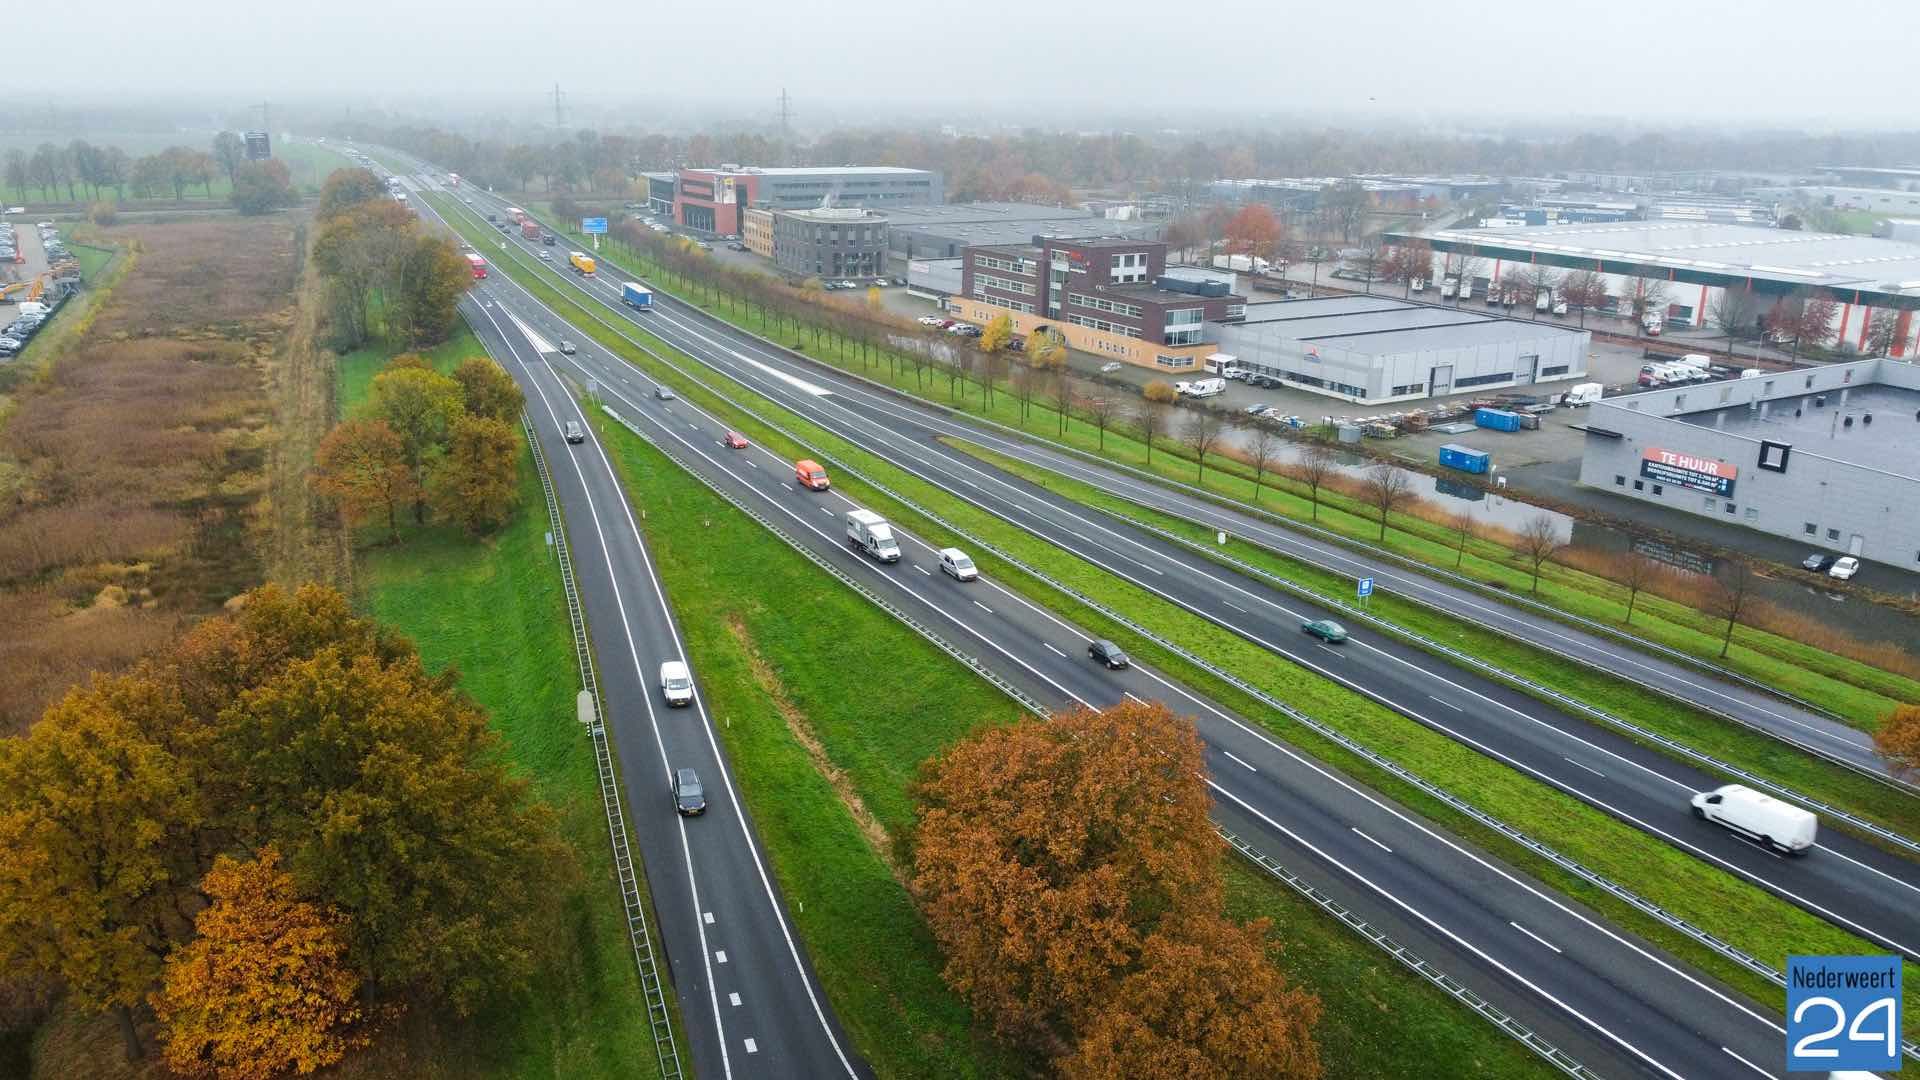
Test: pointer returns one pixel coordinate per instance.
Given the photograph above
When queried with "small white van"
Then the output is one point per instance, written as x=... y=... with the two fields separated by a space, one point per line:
x=955 y=564
x=1585 y=393
x=676 y=683
x=1203 y=388
x=1781 y=826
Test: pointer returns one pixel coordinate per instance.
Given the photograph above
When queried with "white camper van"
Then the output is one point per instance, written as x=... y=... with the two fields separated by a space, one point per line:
x=869 y=532
x=1782 y=826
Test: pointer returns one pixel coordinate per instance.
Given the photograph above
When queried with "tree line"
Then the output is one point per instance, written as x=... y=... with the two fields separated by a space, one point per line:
x=270 y=837
x=80 y=166
x=384 y=272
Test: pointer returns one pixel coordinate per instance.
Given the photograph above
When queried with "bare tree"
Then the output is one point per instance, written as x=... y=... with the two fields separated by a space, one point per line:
x=1060 y=395
x=1582 y=290
x=1731 y=592
x=1734 y=312
x=1026 y=386
x=1463 y=527
x=1202 y=434
x=1386 y=488
x=1539 y=539
x=1101 y=412
x=1316 y=464
x=1882 y=330
x=1636 y=572
x=1470 y=267
x=1264 y=449
x=1151 y=418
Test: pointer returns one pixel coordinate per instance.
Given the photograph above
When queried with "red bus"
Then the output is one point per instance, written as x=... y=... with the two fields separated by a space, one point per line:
x=479 y=265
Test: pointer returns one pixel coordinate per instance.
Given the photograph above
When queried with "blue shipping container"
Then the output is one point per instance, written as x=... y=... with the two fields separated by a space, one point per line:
x=1497 y=419
x=1465 y=458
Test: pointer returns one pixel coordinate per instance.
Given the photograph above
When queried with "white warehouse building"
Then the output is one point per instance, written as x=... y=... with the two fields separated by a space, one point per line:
x=1695 y=263
x=1377 y=349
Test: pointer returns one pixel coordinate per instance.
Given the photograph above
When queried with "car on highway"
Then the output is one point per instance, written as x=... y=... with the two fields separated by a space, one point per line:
x=1781 y=826
x=689 y=798
x=661 y=392
x=1844 y=568
x=1818 y=562
x=575 y=433
x=955 y=564
x=1108 y=654
x=676 y=683
x=1111 y=366
x=568 y=347
x=546 y=256
x=735 y=441
x=1326 y=630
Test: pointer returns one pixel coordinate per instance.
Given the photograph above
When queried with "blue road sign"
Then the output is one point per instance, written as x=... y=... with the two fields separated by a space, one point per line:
x=593 y=225
x=1365 y=587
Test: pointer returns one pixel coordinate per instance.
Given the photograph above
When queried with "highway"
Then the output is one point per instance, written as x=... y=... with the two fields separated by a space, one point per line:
x=748 y=997
x=1606 y=998
x=1853 y=884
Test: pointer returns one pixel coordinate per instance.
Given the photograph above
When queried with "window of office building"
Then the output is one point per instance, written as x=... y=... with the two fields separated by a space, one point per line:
x=1810 y=528
x=1173 y=361
x=1101 y=303
x=1557 y=369
x=1482 y=380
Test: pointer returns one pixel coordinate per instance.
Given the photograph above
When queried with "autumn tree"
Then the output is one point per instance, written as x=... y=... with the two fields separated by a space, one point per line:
x=1386 y=488
x=100 y=812
x=362 y=466
x=418 y=405
x=1583 y=289
x=1316 y=465
x=487 y=391
x=1539 y=539
x=356 y=251
x=1898 y=739
x=1202 y=434
x=260 y=187
x=1026 y=385
x=229 y=152
x=996 y=334
x=1205 y=1000
x=476 y=482
x=1729 y=596
x=1048 y=852
x=345 y=189
x=1252 y=231
x=262 y=990
x=429 y=279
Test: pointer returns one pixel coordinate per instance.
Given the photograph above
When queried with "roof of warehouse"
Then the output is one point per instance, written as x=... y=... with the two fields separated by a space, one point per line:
x=962 y=213
x=1780 y=255
x=1891 y=442
x=814 y=170
x=1382 y=324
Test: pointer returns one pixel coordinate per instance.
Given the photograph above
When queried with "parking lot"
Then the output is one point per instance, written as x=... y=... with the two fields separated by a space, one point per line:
x=18 y=273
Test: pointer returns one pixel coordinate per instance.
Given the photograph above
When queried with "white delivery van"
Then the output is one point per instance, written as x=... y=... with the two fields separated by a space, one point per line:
x=1782 y=826
x=869 y=533
x=34 y=307
x=1205 y=388
x=1448 y=286
x=676 y=683
x=956 y=564
x=1585 y=393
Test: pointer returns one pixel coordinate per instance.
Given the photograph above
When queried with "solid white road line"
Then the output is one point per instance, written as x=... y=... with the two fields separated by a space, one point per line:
x=1533 y=935
x=1236 y=760
x=1371 y=840
x=1577 y=765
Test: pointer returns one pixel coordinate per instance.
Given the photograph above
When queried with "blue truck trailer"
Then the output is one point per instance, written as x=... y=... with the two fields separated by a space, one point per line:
x=635 y=295
x=1496 y=419
x=1465 y=458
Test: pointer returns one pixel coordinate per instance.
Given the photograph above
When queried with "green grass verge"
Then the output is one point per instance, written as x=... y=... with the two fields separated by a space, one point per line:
x=1860 y=692
x=1728 y=741
x=582 y=1014
x=1739 y=913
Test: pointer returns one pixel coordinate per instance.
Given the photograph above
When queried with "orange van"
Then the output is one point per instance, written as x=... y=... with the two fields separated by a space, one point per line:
x=810 y=474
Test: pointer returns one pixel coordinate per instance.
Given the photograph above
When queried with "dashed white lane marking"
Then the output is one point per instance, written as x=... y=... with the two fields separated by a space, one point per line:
x=719 y=956
x=707 y=915
x=1533 y=935
x=1589 y=768
x=734 y=1000
x=1447 y=703
x=983 y=607
x=1053 y=650
x=1136 y=697
x=1371 y=840
x=1236 y=760
x=752 y=1047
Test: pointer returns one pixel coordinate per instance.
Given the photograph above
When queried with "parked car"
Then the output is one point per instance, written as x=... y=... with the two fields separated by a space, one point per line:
x=576 y=433
x=879 y=283
x=1111 y=366
x=1818 y=562
x=955 y=564
x=1108 y=654
x=1844 y=568
x=735 y=441
x=568 y=347
x=10 y=345
x=736 y=246
x=1326 y=630
x=689 y=798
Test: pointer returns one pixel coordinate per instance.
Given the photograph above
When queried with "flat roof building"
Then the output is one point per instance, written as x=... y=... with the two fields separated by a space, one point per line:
x=943 y=232
x=710 y=200
x=839 y=242
x=1377 y=349
x=1828 y=455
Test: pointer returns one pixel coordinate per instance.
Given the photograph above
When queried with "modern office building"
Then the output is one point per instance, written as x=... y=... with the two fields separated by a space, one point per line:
x=833 y=243
x=1827 y=455
x=712 y=200
x=660 y=188
x=943 y=232
x=1375 y=349
x=1106 y=295
x=756 y=231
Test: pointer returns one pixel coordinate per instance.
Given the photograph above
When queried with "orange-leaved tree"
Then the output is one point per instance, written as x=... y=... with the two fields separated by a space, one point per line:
x=1898 y=739
x=1048 y=852
x=487 y=390
x=362 y=466
x=1204 y=1001
x=477 y=481
x=263 y=989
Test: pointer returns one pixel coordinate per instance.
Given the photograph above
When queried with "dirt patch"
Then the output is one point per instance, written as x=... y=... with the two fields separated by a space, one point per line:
x=803 y=733
x=301 y=539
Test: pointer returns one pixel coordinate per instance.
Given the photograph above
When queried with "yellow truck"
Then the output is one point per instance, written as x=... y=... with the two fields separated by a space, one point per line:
x=581 y=262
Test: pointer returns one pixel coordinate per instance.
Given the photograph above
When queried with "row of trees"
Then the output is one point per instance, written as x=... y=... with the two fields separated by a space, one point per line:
x=382 y=267
x=428 y=439
x=1072 y=878
x=274 y=833
x=258 y=186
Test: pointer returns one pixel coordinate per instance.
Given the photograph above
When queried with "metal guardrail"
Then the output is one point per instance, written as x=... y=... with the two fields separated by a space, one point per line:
x=659 y=1019
x=1493 y=671
x=1525 y=1035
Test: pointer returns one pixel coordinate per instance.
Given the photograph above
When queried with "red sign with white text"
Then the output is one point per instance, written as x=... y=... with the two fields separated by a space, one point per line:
x=1685 y=470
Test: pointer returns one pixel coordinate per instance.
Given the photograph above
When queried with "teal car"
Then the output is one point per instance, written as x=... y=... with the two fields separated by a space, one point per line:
x=1326 y=630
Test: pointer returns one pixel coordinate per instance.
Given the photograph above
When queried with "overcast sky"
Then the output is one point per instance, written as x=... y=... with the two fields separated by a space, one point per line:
x=1832 y=64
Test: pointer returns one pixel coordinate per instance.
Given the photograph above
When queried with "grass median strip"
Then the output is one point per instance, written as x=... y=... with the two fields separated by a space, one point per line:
x=1742 y=914
x=1857 y=690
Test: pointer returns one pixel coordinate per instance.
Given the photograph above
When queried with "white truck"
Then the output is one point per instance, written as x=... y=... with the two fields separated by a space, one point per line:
x=869 y=533
x=1201 y=388
x=1242 y=262
x=1782 y=826
x=1585 y=393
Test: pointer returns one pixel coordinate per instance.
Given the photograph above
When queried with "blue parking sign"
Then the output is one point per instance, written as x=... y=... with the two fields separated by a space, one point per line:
x=1843 y=1012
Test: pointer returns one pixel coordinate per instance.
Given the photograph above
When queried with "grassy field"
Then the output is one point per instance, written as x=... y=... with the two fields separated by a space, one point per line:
x=1739 y=913
x=825 y=762
x=494 y=610
x=1860 y=691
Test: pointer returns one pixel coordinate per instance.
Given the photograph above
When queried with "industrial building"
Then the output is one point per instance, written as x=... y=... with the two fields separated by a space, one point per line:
x=1827 y=455
x=1691 y=264
x=1377 y=349
x=841 y=241
x=713 y=200
x=1386 y=192
x=660 y=189
x=943 y=232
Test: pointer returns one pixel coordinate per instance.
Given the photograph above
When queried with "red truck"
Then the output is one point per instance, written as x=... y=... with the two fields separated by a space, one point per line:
x=529 y=229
